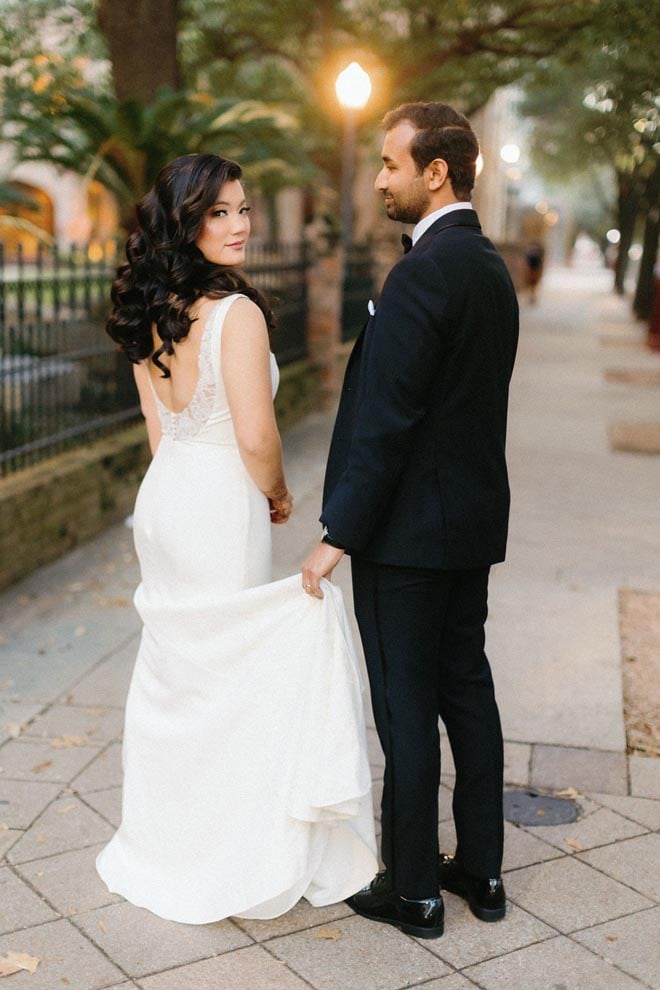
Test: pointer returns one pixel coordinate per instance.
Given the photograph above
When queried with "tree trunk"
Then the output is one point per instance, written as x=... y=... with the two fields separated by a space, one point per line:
x=645 y=292
x=141 y=36
x=628 y=208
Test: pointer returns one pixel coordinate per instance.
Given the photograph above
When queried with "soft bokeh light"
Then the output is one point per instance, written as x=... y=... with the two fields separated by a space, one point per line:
x=542 y=207
x=353 y=87
x=510 y=153
x=635 y=252
x=613 y=235
x=551 y=218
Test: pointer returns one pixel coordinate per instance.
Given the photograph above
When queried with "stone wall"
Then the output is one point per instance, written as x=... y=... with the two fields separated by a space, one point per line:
x=50 y=508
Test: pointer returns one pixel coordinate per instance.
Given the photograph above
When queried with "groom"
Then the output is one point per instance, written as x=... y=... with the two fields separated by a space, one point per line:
x=416 y=491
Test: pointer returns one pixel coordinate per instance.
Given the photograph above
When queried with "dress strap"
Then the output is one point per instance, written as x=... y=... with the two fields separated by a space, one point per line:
x=217 y=321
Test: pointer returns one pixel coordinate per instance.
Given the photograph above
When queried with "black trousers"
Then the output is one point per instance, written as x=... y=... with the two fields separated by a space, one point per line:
x=423 y=637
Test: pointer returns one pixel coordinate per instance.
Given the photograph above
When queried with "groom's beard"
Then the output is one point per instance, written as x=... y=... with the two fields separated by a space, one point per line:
x=410 y=205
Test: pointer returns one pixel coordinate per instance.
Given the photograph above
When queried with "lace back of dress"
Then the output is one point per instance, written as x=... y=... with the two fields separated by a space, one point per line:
x=190 y=421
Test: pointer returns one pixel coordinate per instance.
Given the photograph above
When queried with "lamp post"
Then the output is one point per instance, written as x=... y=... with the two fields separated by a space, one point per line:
x=353 y=88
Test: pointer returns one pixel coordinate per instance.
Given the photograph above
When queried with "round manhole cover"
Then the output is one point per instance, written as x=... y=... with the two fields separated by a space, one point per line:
x=530 y=808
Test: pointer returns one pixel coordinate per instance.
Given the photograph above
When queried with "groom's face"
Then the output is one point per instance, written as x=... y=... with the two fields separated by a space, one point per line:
x=403 y=188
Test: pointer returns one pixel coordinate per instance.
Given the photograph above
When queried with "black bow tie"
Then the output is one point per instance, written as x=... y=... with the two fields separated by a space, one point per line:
x=406 y=240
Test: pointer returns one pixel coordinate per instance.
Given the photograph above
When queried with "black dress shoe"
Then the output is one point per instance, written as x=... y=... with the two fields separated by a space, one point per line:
x=377 y=901
x=486 y=898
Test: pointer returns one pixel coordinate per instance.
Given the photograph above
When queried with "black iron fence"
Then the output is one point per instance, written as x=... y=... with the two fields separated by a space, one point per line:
x=62 y=382
x=358 y=290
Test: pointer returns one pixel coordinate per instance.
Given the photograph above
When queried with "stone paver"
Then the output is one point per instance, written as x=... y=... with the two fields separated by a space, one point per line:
x=8 y=837
x=69 y=880
x=517 y=759
x=356 y=954
x=631 y=943
x=559 y=767
x=24 y=759
x=19 y=906
x=465 y=943
x=102 y=772
x=68 y=959
x=141 y=943
x=568 y=895
x=598 y=829
x=522 y=848
x=635 y=862
x=106 y=802
x=645 y=777
x=94 y=724
x=21 y=801
x=644 y=811
x=454 y=982
x=300 y=917
x=14 y=716
x=246 y=969
x=107 y=684
x=66 y=824
x=560 y=961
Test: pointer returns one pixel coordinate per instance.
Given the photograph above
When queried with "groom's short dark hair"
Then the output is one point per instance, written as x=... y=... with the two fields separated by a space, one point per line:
x=442 y=132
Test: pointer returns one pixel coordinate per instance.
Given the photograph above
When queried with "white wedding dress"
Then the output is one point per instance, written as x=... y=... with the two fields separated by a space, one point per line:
x=246 y=781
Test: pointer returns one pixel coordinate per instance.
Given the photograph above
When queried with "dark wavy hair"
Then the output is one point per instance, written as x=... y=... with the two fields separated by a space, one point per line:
x=442 y=132
x=166 y=272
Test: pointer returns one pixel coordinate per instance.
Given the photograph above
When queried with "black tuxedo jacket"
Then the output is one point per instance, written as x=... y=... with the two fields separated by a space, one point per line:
x=416 y=474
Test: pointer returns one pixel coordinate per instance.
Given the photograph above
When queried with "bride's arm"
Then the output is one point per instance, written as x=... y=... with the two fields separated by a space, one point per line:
x=147 y=405
x=246 y=375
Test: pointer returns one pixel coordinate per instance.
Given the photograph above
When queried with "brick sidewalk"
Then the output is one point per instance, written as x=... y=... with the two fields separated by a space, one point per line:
x=584 y=911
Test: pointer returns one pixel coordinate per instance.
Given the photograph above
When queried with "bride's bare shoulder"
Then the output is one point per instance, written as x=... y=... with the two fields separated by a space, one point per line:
x=245 y=316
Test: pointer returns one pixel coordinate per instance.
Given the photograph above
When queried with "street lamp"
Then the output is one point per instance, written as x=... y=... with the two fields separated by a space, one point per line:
x=353 y=88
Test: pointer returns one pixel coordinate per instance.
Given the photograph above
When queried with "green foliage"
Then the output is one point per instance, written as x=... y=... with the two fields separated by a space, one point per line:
x=600 y=103
x=79 y=125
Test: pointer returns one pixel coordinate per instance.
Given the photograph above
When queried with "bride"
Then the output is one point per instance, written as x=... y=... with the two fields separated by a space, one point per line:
x=246 y=782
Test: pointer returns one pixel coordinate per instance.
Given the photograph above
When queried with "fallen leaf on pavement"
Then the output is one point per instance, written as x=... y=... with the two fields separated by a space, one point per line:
x=330 y=933
x=3 y=827
x=65 y=741
x=65 y=810
x=41 y=838
x=569 y=792
x=14 y=962
x=42 y=766
x=612 y=938
x=574 y=844
x=103 y=926
x=540 y=812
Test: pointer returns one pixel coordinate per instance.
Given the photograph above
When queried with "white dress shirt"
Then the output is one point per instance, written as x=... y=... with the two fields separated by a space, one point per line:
x=423 y=225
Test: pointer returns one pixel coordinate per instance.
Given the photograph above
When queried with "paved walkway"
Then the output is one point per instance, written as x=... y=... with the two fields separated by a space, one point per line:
x=584 y=898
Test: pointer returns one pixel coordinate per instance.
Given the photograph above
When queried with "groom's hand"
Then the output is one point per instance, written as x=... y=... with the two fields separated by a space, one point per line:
x=320 y=563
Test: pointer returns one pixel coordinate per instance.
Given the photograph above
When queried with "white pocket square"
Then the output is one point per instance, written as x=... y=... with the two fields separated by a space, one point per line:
x=371 y=308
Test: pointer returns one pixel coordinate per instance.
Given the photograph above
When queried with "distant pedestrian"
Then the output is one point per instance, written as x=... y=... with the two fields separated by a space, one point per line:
x=534 y=258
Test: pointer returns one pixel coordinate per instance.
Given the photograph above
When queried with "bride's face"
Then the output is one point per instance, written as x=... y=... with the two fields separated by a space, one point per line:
x=226 y=227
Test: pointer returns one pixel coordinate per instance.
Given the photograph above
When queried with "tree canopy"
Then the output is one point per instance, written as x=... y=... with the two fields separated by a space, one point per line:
x=601 y=112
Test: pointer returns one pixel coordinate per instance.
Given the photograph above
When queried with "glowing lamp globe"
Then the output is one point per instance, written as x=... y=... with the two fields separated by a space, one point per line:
x=353 y=87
